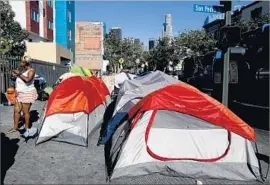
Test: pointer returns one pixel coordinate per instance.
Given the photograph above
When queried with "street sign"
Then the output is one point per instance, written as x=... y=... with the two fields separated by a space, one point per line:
x=218 y=54
x=238 y=50
x=204 y=8
x=121 y=60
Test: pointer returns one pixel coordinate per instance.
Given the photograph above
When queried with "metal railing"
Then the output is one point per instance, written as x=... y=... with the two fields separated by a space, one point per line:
x=50 y=71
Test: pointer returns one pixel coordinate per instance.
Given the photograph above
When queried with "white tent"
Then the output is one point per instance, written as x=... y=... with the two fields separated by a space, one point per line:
x=134 y=90
x=121 y=77
x=75 y=110
x=180 y=131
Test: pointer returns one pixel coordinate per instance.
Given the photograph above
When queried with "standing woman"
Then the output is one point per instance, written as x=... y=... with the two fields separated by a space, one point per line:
x=26 y=95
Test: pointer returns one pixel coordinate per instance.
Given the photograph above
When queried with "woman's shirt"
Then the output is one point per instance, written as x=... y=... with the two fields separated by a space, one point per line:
x=22 y=86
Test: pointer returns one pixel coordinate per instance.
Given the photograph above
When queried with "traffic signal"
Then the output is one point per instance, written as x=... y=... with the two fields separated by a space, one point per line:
x=227 y=5
x=229 y=36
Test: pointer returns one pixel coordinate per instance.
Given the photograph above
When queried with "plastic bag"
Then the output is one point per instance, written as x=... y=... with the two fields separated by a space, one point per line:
x=11 y=95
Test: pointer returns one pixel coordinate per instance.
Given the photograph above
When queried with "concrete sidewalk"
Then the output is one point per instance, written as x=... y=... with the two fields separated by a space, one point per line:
x=61 y=163
x=50 y=162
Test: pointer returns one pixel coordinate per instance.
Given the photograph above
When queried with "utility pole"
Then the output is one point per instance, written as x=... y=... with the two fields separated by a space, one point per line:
x=225 y=89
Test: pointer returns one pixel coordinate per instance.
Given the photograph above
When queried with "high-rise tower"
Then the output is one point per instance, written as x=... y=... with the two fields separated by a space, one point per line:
x=167 y=27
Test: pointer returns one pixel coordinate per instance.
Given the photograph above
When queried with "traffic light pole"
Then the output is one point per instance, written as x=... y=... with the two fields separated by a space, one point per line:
x=225 y=89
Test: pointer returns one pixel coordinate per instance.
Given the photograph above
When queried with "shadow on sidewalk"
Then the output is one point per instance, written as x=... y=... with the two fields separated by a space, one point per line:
x=9 y=148
x=263 y=157
x=34 y=116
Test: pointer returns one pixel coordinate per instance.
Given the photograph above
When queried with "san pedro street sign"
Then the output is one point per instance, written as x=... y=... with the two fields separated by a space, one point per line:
x=204 y=8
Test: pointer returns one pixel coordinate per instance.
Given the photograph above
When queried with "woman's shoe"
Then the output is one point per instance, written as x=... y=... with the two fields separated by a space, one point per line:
x=29 y=133
x=12 y=130
x=21 y=128
x=26 y=134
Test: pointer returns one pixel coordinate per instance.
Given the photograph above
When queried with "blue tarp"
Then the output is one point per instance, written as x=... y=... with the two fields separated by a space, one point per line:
x=119 y=118
x=218 y=54
x=143 y=74
x=40 y=78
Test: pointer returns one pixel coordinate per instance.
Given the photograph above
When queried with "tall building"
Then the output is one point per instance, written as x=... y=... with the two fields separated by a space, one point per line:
x=141 y=44
x=117 y=31
x=104 y=29
x=89 y=44
x=64 y=26
x=137 y=41
x=38 y=18
x=167 y=27
x=152 y=43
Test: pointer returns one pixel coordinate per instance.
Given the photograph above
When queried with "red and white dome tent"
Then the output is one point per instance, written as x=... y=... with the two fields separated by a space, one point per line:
x=75 y=110
x=180 y=131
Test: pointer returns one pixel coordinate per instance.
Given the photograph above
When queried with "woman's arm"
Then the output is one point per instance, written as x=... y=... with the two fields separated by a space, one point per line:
x=30 y=76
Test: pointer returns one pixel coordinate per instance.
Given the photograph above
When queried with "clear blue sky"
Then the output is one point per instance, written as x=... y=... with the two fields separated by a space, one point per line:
x=142 y=19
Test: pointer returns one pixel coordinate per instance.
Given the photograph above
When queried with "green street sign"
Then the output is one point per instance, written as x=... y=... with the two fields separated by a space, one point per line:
x=121 y=60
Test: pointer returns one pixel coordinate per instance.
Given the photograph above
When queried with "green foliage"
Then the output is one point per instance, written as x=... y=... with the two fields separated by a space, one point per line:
x=111 y=48
x=146 y=56
x=130 y=52
x=114 y=49
x=5 y=45
x=246 y=26
x=161 y=54
x=192 y=42
x=197 y=41
x=11 y=33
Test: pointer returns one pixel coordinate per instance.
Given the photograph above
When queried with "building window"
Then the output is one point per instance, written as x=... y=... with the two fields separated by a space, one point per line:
x=34 y=16
x=69 y=34
x=50 y=25
x=69 y=16
x=256 y=13
x=49 y=3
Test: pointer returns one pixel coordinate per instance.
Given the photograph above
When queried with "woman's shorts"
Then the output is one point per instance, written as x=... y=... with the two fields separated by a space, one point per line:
x=27 y=97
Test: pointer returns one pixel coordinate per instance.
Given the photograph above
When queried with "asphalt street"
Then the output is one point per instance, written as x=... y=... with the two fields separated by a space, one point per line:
x=62 y=163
